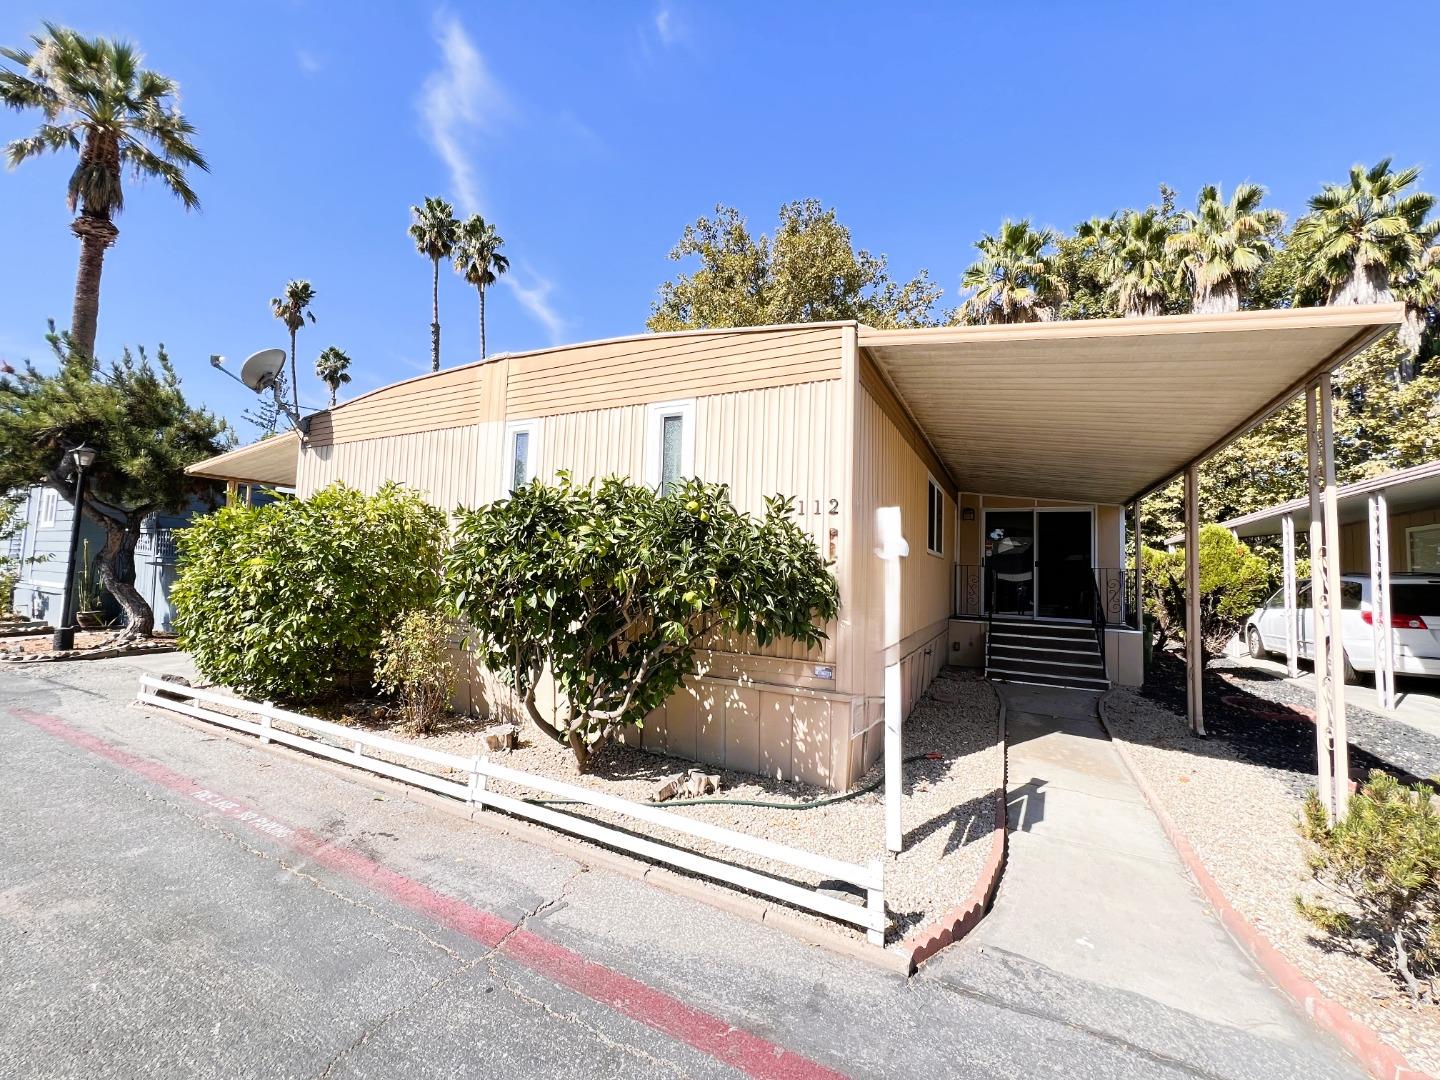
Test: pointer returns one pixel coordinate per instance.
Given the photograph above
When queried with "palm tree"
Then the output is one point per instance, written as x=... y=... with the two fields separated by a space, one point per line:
x=1221 y=245
x=434 y=231
x=1420 y=290
x=1015 y=279
x=1136 y=268
x=1367 y=233
x=96 y=99
x=292 y=307
x=477 y=256
x=333 y=368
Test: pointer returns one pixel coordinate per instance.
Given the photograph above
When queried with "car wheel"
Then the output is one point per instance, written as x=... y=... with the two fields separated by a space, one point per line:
x=1351 y=678
x=1256 y=643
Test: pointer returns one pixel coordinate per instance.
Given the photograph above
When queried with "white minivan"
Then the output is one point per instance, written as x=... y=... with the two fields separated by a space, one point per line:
x=1414 y=622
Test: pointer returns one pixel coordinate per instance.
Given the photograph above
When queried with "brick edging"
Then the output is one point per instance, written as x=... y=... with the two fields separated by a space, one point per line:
x=959 y=921
x=1380 y=1059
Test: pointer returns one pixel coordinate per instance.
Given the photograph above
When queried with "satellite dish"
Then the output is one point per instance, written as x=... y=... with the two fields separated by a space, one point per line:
x=259 y=370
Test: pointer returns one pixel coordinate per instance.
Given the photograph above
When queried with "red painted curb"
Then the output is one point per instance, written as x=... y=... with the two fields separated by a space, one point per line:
x=1381 y=1059
x=959 y=921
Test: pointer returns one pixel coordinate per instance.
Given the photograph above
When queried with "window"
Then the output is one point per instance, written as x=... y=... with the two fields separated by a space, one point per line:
x=49 y=501
x=1422 y=544
x=935 y=519
x=670 y=445
x=522 y=449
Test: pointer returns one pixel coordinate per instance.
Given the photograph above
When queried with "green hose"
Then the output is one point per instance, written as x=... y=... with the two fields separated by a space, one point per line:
x=767 y=804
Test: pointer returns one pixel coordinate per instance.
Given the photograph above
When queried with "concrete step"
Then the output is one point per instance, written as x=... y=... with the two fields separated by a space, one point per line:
x=1076 y=631
x=1037 y=659
x=1044 y=667
x=1067 y=682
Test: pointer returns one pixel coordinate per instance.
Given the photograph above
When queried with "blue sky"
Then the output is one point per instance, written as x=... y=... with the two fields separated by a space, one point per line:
x=591 y=133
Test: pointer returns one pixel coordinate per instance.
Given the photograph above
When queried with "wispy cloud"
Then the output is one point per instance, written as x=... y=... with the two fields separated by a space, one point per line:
x=310 y=63
x=459 y=102
x=667 y=25
x=533 y=291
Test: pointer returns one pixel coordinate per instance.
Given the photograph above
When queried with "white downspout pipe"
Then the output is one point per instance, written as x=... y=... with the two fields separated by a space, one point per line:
x=892 y=549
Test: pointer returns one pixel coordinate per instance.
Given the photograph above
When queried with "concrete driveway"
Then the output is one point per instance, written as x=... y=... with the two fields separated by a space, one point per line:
x=177 y=905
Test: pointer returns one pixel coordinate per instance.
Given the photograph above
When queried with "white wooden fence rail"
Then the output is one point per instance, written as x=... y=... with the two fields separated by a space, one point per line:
x=869 y=878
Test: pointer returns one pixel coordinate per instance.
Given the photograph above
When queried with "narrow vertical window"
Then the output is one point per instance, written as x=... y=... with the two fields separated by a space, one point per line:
x=522 y=447
x=670 y=445
x=935 y=519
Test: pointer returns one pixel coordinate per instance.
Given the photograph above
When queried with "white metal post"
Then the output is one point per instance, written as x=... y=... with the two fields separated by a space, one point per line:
x=892 y=549
x=1194 y=645
x=1335 y=643
x=1292 y=613
x=1318 y=608
x=1381 y=612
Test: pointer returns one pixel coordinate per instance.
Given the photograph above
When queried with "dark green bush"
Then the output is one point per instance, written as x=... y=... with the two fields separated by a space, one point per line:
x=289 y=600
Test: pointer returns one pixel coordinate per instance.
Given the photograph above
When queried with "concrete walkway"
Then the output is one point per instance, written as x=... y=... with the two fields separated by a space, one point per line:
x=1098 y=924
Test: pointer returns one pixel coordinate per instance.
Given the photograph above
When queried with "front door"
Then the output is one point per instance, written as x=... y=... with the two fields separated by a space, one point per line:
x=1065 y=576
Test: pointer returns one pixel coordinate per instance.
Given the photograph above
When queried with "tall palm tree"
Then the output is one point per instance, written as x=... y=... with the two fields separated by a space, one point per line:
x=1221 y=244
x=1136 y=266
x=96 y=99
x=1420 y=290
x=333 y=368
x=1015 y=279
x=478 y=258
x=1367 y=233
x=434 y=231
x=292 y=307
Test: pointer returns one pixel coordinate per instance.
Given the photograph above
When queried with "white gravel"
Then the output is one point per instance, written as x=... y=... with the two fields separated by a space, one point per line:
x=1241 y=818
x=948 y=813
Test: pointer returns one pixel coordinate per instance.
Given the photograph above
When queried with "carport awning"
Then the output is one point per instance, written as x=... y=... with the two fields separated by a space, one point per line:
x=1104 y=410
x=271 y=461
x=1416 y=488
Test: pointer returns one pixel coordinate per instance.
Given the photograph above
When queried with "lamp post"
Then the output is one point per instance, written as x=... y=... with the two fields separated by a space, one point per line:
x=81 y=458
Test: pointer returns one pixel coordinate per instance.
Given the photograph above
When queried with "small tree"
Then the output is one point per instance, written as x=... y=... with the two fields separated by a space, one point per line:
x=1380 y=869
x=612 y=586
x=414 y=664
x=289 y=600
x=1233 y=581
x=145 y=432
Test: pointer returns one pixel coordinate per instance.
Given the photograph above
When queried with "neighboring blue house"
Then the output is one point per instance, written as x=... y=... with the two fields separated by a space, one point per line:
x=47 y=516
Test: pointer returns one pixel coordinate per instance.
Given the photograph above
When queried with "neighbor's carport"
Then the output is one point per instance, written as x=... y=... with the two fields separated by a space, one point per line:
x=1109 y=411
x=1404 y=492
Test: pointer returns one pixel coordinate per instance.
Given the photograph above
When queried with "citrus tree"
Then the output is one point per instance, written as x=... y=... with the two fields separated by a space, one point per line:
x=611 y=587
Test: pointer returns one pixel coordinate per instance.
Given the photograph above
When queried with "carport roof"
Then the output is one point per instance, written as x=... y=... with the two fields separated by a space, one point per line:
x=1105 y=410
x=1416 y=488
x=270 y=461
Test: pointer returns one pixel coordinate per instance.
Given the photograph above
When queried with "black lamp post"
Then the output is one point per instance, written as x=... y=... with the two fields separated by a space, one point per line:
x=81 y=458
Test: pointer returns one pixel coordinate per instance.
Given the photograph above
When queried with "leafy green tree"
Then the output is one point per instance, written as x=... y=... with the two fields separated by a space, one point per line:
x=1367 y=232
x=479 y=259
x=1379 y=867
x=434 y=230
x=415 y=663
x=135 y=416
x=1137 y=268
x=1233 y=581
x=1015 y=279
x=96 y=100
x=1222 y=244
x=332 y=367
x=290 y=600
x=611 y=586
x=809 y=271
x=292 y=307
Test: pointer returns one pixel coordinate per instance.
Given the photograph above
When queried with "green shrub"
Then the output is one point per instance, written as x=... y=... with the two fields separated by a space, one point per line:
x=611 y=586
x=289 y=600
x=414 y=664
x=1233 y=582
x=1380 y=869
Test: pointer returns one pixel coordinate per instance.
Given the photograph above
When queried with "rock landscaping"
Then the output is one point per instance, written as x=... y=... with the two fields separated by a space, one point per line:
x=89 y=645
x=948 y=814
x=1236 y=797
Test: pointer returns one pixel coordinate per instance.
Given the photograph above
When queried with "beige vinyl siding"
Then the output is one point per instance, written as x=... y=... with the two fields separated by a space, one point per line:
x=1355 y=541
x=452 y=466
x=663 y=367
x=458 y=397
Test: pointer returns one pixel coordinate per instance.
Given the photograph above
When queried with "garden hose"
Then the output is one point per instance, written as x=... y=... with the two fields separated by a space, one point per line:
x=767 y=804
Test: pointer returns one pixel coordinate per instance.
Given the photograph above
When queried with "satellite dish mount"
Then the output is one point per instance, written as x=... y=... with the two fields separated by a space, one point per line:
x=261 y=372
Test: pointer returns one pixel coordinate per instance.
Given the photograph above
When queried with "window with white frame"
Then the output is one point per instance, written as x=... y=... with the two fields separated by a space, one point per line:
x=1422 y=545
x=49 y=502
x=522 y=452
x=670 y=444
x=935 y=519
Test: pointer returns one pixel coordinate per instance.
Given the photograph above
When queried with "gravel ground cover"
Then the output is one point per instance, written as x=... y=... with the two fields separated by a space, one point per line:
x=1240 y=711
x=97 y=641
x=947 y=815
x=1239 y=812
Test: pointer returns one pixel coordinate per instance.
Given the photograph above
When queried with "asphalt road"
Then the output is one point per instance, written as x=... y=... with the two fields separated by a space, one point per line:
x=178 y=905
